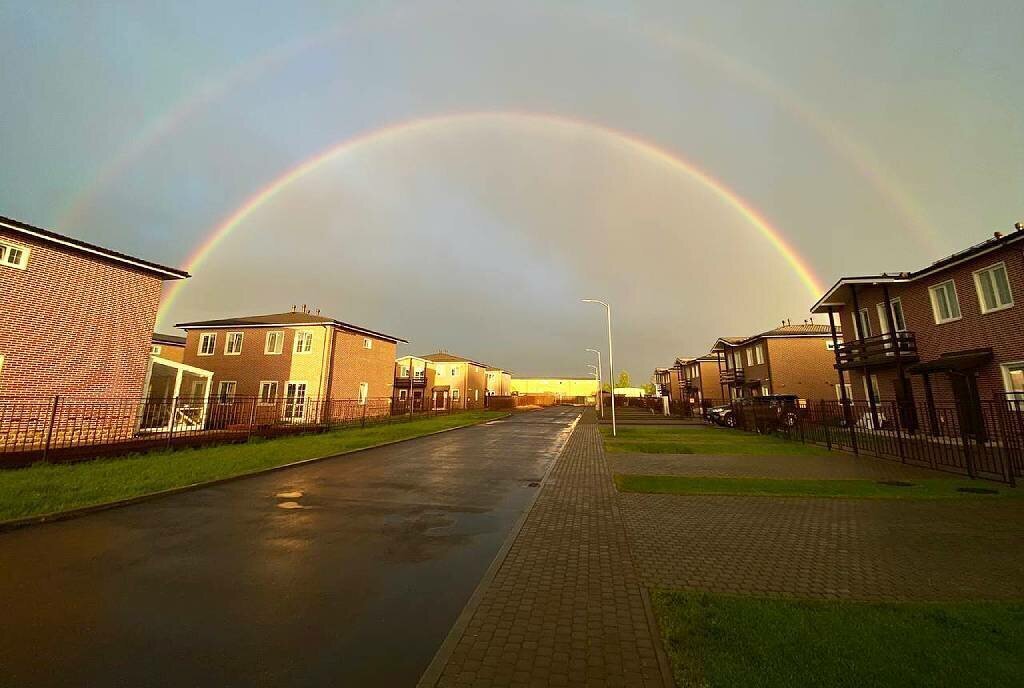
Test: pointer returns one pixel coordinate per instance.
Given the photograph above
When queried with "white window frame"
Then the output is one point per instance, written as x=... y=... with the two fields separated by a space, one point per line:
x=263 y=385
x=1004 y=369
x=278 y=337
x=849 y=392
x=403 y=394
x=455 y=394
x=155 y=349
x=364 y=393
x=367 y=343
x=860 y=325
x=759 y=353
x=884 y=322
x=207 y=337
x=227 y=343
x=221 y=399
x=300 y=337
x=5 y=251
x=750 y=356
x=874 y=387
x=981 y=296
x=287 y=406
x=935 y=304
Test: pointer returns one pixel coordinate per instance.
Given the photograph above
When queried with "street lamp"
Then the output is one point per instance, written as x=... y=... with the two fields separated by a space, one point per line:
x=600 y=397
x=597 y=379
x=611 y=363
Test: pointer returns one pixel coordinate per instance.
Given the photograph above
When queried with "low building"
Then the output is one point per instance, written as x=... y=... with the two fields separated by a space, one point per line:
x=947 y=333
x=790 y=359
x=77 y=318
x=559 y=387
x=168 y=347
x=296 y=362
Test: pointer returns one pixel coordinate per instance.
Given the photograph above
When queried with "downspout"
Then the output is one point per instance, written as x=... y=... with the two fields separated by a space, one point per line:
x=327 y=373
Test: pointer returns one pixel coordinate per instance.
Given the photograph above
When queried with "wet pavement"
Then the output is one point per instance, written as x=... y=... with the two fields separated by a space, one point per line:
x=346 y=572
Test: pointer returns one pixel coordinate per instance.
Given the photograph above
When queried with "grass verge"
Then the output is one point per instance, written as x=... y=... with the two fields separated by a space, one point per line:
x=931 y=488
x=48 y=488
x=703 y=440
x=724 y=641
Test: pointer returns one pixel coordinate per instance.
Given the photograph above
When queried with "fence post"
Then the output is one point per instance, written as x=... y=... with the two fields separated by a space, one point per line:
x=170 y=432
x=897 y=417
x=252 y=419
x=49 y=429
x=825 y=424
x=853 y=432
x=363 y=423
x=968 y=455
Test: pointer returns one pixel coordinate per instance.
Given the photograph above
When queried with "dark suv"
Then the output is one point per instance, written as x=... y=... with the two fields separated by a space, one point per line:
x=775 y=411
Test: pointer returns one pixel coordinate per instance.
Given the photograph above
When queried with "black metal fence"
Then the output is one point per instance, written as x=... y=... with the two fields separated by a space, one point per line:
x=73 y=428
x=984 y=440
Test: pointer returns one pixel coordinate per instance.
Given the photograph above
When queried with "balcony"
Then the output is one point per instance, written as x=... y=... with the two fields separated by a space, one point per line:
x=733 y=376
x=885 y=349
x=418 y=380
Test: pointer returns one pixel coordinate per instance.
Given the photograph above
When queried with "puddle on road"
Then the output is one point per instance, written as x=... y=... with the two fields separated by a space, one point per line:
x=289 y=495
x=291 y=505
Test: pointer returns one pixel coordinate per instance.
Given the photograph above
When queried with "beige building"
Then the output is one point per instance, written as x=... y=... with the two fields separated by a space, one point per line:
x=458 y=382
x=297 y=357
x=168 y=347
x=499 y=382
x=414 y=377
x=561 y=387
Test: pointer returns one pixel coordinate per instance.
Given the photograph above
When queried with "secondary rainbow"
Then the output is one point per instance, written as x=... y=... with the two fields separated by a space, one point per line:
x=411 y=128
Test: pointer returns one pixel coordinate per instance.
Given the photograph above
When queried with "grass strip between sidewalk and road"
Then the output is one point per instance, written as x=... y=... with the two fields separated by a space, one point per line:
x=703 y=440
x=930 y=488
x=50 y=488
x=722 y=641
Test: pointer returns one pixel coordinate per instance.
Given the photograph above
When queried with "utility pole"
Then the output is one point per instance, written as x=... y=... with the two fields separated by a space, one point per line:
x=600 y=383
x=611 y=360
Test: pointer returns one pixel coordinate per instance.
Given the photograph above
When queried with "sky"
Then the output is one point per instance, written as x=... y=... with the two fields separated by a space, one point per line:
x=461 y=174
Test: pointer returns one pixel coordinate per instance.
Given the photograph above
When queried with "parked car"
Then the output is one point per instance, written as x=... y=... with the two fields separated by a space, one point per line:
x=722 y=415
x=775 y=411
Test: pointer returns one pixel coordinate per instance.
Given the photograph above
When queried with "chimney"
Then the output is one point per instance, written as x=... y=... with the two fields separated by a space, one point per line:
x=293 y=307
x=997 y=235
x=1019 y=226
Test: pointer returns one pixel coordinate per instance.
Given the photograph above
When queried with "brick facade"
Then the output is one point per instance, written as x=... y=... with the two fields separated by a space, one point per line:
x=76 y=322
x=791 y=359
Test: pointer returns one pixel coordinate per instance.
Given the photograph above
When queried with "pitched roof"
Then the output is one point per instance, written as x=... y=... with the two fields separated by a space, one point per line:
x=284 y=319
x=996 y=242
x=789 y=330
x=169 y=339
x=445 y=357
x=50 y=237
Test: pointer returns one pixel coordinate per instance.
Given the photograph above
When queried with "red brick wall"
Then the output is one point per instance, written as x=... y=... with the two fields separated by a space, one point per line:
x=74 y=324
x=1000 y=330
x=803 y=366
x=353 y=363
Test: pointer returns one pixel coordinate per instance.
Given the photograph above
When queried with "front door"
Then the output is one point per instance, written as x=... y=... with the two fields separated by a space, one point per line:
x=440 y=400
x=968 y=405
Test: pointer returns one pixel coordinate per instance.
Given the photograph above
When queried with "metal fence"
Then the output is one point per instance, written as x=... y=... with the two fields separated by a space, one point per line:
x=984 y=440
x=72 y=428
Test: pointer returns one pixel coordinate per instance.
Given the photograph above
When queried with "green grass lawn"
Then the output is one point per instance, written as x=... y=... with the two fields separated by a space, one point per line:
x=931 y=488
x=703 y=440
x=724 y=641
x=47 y=488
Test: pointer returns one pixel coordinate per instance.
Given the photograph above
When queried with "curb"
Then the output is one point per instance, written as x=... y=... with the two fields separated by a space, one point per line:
x=432 y=674
x=54 y=516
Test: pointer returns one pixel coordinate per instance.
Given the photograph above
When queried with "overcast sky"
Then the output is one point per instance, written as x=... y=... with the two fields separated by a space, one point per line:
x=873 y=136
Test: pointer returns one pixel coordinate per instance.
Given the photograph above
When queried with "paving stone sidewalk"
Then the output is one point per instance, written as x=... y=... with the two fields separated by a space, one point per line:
x=565 y=608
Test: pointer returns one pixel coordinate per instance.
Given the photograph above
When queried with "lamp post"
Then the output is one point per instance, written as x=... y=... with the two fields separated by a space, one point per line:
x=611 y=363
x=600 y=397
x=597 y=379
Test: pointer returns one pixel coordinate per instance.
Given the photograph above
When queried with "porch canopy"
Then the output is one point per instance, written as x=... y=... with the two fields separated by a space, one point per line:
x=953 y=362
x=176 y=395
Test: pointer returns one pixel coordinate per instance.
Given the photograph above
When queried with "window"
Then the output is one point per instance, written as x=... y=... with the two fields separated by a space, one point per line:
x=849 y=392
x=367 y=343
x=764 y=390
x=403 y=394
x=155 y=349
x=1013 y=380
x=13 y=256
x=476 y=395
x=750 y=356
x=208 y=344
x=268 y=392
x=874 y=388
x=403 y=371
x=759 y=351
x=897 y=316
x=993 y=288
x=455 y=395
x=274 y=343
x=226 y=391
x=862 y=324
x=831 y=345
x=455 y=372
x=233 y=344
x=303 y=342
x=364 y=391
x=945 y=305
x=696 y=371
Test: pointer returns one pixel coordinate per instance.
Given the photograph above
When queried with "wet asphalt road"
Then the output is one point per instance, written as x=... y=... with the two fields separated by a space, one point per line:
x=223 y=587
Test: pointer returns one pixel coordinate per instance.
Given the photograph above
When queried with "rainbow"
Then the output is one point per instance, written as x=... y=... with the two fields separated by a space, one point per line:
x=411 y=128
x=828 y=130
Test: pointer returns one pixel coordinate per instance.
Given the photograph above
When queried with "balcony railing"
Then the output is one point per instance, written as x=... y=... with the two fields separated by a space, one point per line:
x=884 y=349
x=418 y=379
x=733 y=376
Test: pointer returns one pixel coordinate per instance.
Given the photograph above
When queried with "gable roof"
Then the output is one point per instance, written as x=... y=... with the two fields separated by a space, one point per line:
x=781 y=332
x=289 y=319
x=69 y=243
x=996 y=242
x=445 y=357
x=168 y=339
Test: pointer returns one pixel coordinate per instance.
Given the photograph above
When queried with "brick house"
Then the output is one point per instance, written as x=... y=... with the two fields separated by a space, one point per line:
x=499 y=382
x=414 y=376
x=948 y=333
x=458 y=382
x=168 y=346
x=297 y=357
x=790 y=359
x=698 y=380
x=78 y=318
x=665 y=385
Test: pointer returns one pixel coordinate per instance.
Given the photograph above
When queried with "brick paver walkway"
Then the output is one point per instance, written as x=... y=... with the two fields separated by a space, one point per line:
x=829 y=466
x=565 y=608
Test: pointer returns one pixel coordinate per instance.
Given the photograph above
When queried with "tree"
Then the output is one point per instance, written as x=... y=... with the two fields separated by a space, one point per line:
x=650 y=389
x=624 y=380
